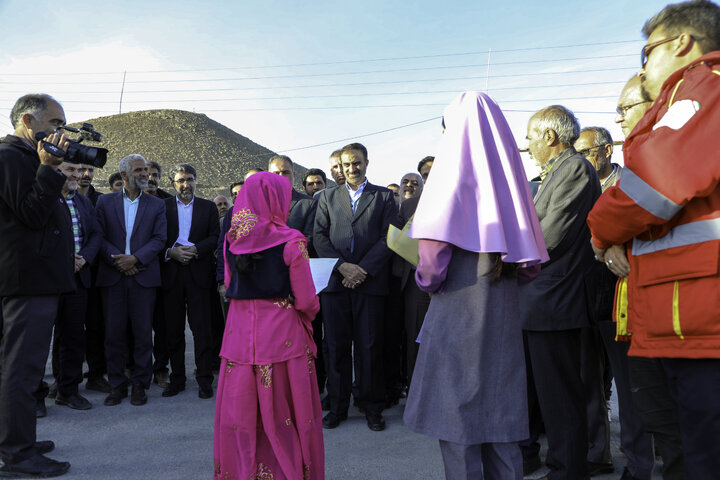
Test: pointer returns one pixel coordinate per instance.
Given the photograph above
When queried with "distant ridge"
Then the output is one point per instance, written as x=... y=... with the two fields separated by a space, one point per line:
x=220 y=155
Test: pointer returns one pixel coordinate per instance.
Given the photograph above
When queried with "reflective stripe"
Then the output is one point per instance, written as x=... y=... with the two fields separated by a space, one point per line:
x=621 y=311
x=672 y=97
x=647 y=197
x=676 y=311
x=680 y=236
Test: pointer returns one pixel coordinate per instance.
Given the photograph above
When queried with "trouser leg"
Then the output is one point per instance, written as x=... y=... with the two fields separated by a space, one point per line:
x=26 y=329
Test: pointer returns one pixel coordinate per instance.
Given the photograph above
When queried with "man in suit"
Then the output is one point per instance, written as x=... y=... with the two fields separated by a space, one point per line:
x=69 y=338
x=36 y=260
x=351 y=224
x=188 y=279
x=94 y=319
x=160 y=351
x=134 y=232
x=555 y=305
x=415 y=301
x=302 y=208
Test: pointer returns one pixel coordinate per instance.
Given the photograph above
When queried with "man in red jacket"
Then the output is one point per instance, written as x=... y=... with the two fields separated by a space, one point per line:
x=668 y=206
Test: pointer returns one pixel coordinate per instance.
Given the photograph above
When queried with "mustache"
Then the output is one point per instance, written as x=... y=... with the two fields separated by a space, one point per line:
x=152 y=182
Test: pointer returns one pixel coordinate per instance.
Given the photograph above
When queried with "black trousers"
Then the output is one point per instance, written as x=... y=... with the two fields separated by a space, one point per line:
x=695 y=387
x=555 y=360
x=95 y=334
x=69 y=340
x=354 y=323
x=417 y=303
x=161 y=354
x=320 y=371
x=182 y=297
x=129 y=311
x=656 y=410
x=27 y=323
x=393 y=340
x=636 y=443
x=592 y=371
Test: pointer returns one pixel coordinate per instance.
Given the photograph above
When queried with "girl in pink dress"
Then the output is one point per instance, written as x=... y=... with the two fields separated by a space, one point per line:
x=267 y=412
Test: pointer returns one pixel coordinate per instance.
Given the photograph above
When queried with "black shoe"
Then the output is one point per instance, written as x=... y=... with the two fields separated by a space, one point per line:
x=325 y=403
x=627 y=475
x=375 y=421
x=161 y=379
x=36 y=466
x=98 y=384
x=116 y=396
x=173 y=389
x=598 y=468
x=74 y=401
x=332 y=421
x=531 y=465
x=40 y=409
x=138 y=397
x=52 y=390
x=205 y=392
x=44 y=446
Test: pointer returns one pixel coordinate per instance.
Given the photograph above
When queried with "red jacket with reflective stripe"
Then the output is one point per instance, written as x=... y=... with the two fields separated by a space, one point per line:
x=665 y=208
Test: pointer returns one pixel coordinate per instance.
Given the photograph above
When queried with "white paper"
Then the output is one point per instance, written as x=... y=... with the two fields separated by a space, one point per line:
x=321 y=269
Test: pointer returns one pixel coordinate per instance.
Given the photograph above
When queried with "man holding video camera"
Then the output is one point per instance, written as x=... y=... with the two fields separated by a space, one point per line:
x=36 y=260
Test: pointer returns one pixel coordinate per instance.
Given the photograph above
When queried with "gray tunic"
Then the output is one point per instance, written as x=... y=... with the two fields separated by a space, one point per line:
x=469 y=382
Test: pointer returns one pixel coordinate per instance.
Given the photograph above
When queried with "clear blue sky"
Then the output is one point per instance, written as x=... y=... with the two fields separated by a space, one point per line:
x=290 y=74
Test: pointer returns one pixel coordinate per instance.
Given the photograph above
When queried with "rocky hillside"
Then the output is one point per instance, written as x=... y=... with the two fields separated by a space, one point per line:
x=220 y=155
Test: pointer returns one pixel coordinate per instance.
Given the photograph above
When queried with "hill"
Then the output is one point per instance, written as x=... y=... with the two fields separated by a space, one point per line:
x=220 y=155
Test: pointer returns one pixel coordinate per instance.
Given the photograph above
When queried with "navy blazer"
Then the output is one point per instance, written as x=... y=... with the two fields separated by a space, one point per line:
x=91 y=234
x=337 y=229
x=562 y=297
x=147 y=241
x=204 y=232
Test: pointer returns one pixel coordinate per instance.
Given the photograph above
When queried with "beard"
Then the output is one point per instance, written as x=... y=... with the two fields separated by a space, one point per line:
x=136 y=184
x=186 y=194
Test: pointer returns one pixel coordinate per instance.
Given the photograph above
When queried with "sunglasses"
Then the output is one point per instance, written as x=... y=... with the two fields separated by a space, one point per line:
x=651 y=46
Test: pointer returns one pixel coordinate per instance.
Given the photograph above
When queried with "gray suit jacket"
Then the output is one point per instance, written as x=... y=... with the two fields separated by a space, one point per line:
x=562 y=296
x=360 y=238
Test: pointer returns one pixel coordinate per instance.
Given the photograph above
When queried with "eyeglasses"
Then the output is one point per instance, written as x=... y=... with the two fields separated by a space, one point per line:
x=622 y=110
x=586 y=151
x=650 y=46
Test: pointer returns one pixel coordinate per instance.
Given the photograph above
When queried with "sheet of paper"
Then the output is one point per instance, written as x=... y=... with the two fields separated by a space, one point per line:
x=321 y=269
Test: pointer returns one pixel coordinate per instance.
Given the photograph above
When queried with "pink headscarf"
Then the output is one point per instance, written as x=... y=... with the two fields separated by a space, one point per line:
x=477 y=196
x=260 y=215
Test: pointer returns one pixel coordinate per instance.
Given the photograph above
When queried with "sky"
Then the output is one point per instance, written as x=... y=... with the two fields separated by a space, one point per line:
x=306 y=78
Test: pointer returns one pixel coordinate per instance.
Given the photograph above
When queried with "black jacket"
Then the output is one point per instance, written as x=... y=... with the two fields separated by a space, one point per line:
x=36 y=245
x=204 y=231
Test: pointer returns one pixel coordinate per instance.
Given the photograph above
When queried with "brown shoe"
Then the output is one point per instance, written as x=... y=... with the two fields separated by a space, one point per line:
x=162 y=379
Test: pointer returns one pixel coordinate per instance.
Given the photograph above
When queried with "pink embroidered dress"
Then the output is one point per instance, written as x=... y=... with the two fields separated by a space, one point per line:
x=267 y=414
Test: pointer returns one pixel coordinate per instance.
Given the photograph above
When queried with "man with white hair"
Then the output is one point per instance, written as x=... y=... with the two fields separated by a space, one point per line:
x=555 y=305
x=134 y=232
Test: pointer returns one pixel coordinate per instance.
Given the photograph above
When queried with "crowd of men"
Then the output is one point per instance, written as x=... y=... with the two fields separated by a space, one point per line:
x=116 y=275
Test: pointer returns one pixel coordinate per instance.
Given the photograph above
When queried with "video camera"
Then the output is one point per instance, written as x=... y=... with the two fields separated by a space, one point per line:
x=77 y=152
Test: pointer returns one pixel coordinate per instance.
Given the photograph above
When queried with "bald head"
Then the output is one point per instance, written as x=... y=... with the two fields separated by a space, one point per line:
x=632 y=105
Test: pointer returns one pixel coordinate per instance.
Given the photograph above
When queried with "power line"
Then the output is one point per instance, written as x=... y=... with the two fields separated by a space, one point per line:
x=359 y=136
x=474 y=77
x=309 y=75
x=368 y=72
x=341 y=62
x=191 y=90
x=308 y=97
